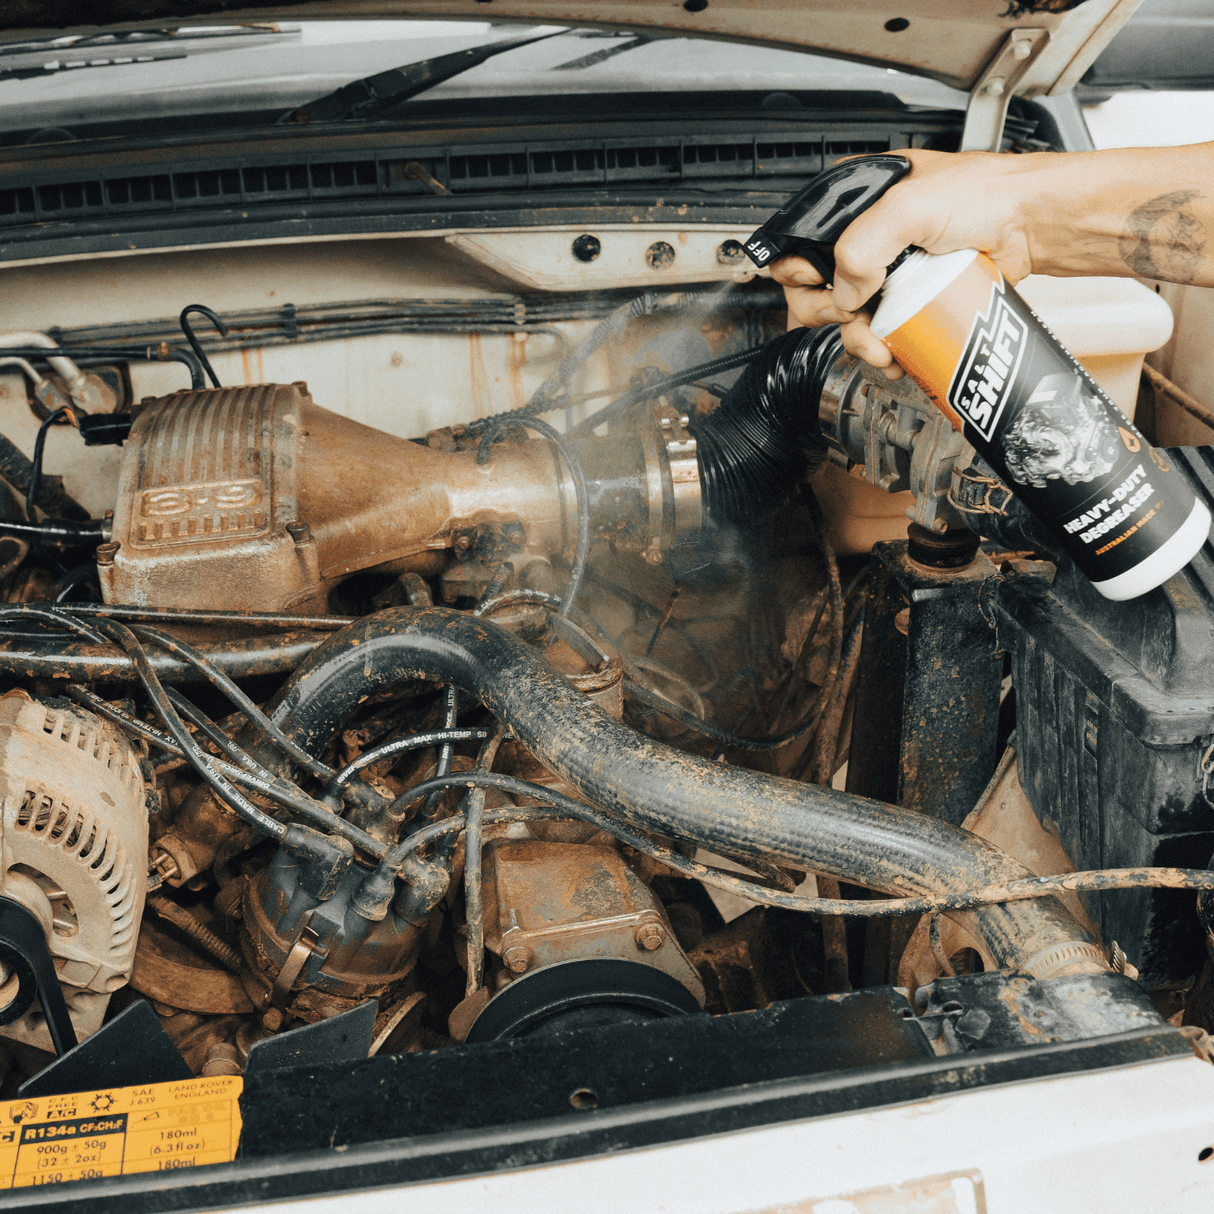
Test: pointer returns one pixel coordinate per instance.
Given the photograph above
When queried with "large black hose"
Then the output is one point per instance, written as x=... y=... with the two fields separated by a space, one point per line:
x=759 y=443
x=650 y=785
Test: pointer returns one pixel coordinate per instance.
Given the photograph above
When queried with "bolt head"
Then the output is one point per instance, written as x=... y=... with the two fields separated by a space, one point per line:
x=517 y=958
x=272 y=1019
x=650 y=937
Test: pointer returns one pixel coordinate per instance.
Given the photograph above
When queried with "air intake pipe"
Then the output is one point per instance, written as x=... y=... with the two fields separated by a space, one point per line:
x=651 y=786
x=764 y=437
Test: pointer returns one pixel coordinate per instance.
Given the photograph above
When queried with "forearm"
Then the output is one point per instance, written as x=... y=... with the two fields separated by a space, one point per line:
x=1142 y=211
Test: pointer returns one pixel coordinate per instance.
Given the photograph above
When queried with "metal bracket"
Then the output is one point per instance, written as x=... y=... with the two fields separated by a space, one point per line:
x=306 y=945
x=987 y=109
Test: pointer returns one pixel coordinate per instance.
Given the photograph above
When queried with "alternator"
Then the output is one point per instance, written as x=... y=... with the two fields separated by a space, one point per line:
x=74 y=846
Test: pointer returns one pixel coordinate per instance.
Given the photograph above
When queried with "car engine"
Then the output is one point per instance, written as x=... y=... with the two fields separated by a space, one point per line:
x=510 y=728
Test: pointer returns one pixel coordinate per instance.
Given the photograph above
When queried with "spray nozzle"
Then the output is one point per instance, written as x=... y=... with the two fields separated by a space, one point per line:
x=810 y=222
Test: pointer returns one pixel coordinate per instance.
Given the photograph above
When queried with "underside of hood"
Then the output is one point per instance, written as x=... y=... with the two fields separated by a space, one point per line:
x=960 y=42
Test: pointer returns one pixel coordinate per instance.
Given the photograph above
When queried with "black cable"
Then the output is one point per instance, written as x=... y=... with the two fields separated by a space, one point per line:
x=226 y=745
x=579 y=483
x=725 y=363
x=445 y=752
x=31 y=493
x=266 y=784
x=253 y=714
x=539 y=598
x=177 y=615
x=397 y=746
x=75 y=578
x=223 y=788
x=48 y=613
x=67 y=531
x=188 y=330
x=472 y=809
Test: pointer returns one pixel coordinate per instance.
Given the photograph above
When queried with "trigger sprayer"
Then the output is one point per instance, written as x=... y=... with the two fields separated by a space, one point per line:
x=1113 y=502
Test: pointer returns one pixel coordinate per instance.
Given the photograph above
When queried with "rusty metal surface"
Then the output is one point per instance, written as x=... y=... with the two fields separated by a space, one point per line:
x=255 y=498
x=1005 y=816
x=170 y=973
x=548 y=902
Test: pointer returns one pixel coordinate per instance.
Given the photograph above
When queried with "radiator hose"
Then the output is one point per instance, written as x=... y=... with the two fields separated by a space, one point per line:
x=652 y=786
x=763 y=438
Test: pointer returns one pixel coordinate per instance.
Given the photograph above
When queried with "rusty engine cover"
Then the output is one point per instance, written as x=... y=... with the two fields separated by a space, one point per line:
x=255 y=498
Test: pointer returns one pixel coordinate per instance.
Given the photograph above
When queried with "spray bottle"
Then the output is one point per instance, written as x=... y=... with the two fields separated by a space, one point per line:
x=1113 y=502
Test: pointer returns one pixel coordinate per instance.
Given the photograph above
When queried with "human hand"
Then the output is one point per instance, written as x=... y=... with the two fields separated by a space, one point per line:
x=948 y=201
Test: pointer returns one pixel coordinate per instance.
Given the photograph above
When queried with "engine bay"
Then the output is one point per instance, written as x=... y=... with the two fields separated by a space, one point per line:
x=685 y=666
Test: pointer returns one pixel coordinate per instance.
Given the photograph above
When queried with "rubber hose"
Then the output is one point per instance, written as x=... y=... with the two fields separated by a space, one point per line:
x=652 y=786
x=762 y=439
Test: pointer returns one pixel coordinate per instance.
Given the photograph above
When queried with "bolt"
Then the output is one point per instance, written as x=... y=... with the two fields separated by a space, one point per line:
x=463 y=543
x=653 y=556
x=272 y=1019
x=222 y=1059
x=996 y=86
x=517 y=958
x=1021 y=49
x=106 y=552
x=299 y=531
x=650 y=937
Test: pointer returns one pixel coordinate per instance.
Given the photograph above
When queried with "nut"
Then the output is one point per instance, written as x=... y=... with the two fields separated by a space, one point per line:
x=650 y=936
x=517 y=958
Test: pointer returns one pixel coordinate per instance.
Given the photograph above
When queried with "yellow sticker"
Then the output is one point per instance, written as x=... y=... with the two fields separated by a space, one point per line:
x=156 y=1127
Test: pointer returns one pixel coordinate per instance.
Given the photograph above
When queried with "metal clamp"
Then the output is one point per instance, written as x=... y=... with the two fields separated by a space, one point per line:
x=971 y=493
x=306 y=945
x=672 y=481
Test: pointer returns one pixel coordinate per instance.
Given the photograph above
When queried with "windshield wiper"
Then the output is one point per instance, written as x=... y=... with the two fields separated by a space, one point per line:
x=33 y=60
x=608 y=52
x=374 y=96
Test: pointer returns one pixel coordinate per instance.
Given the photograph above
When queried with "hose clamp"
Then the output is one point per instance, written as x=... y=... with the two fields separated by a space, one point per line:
x=672 y=481
x=684 y=471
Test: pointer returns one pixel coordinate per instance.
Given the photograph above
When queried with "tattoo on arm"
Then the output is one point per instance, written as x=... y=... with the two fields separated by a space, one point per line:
x=1163 y=240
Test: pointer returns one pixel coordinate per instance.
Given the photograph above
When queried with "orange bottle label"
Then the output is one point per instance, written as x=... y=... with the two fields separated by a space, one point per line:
x=930 y=345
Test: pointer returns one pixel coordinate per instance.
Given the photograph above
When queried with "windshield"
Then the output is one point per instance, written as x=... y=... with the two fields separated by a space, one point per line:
x=266 y=70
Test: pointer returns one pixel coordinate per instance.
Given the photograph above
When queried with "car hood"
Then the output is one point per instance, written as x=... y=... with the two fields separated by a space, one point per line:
x=955 y=41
